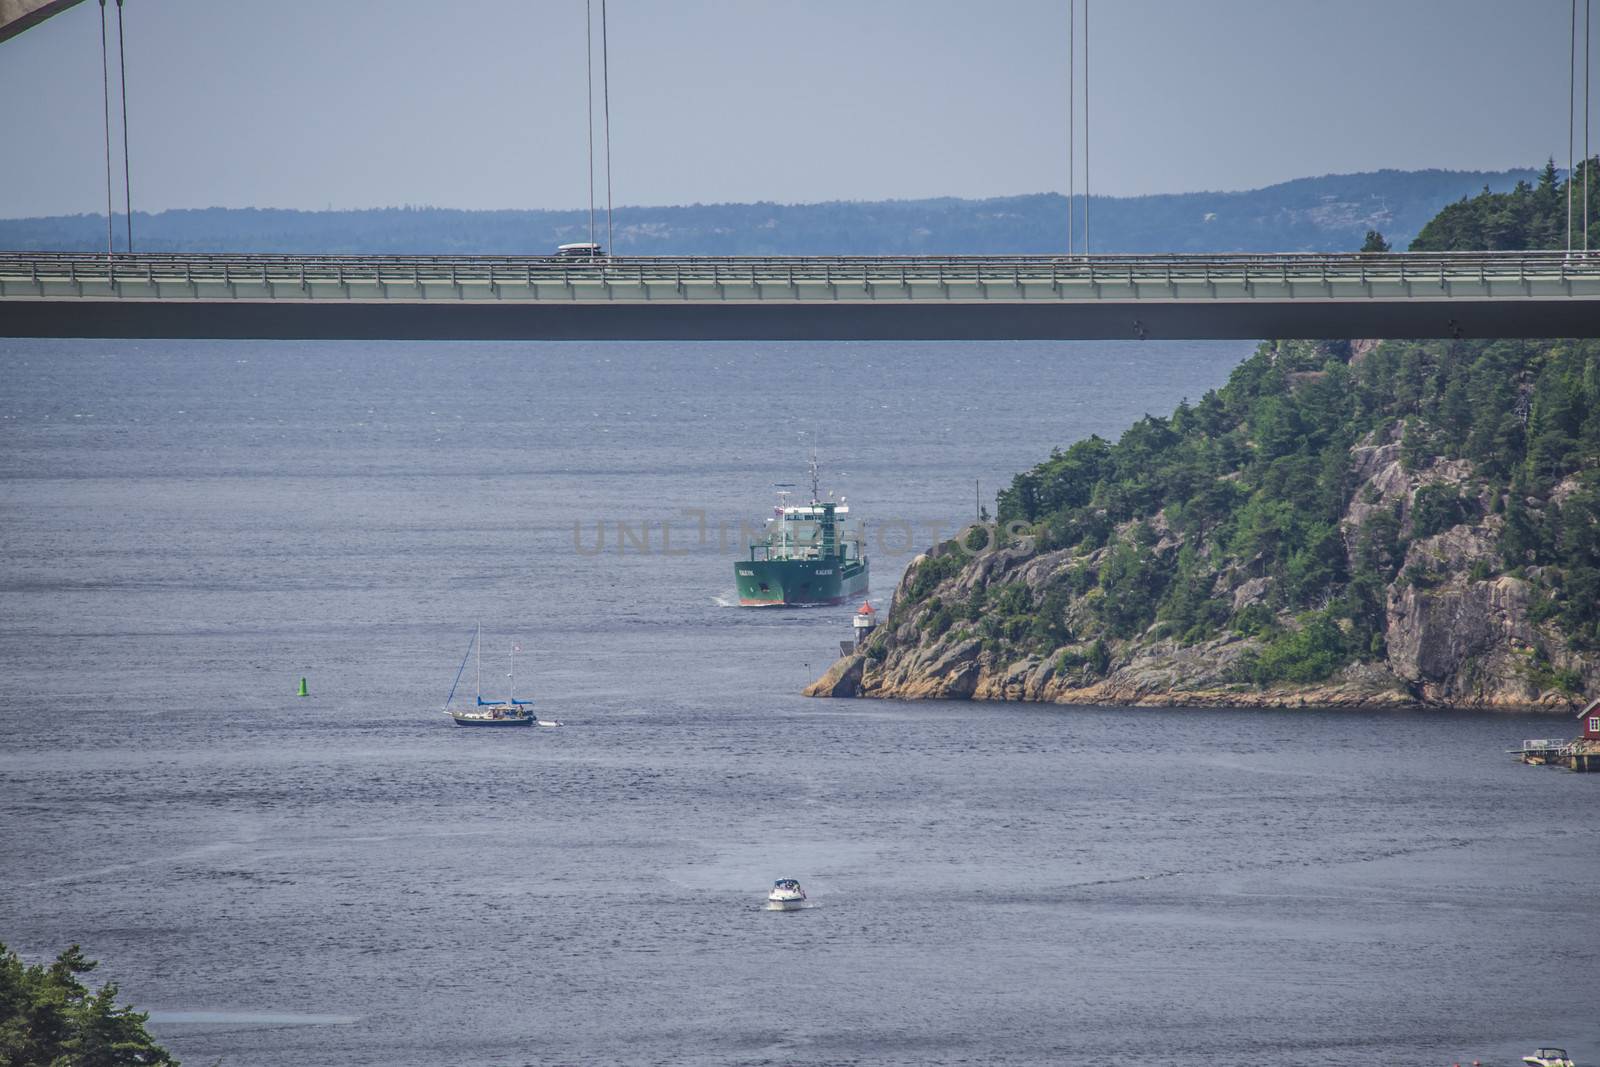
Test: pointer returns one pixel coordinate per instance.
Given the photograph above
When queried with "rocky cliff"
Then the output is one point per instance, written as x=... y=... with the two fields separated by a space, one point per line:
x=1466 y=645
x=1460 y=642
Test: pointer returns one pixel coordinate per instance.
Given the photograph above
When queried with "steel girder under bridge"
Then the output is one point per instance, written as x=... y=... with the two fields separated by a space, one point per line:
x=18 y=15
x=1534 y=294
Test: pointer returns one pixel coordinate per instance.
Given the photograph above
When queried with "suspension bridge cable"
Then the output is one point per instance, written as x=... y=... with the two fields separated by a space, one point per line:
x=589 y=80
x=127 y=181
x=605 y=82
x=111 y=245
x=1572 y=88
x=1072 y=123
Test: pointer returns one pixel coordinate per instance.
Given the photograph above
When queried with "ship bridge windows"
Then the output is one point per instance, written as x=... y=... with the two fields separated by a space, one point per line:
x=799 y=540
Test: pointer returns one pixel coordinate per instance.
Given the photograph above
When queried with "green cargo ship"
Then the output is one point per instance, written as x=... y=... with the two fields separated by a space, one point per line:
x=805 y=558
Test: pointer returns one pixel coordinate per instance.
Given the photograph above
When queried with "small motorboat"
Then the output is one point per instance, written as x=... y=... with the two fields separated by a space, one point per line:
x=548 y=722
x=1549 y=1057
x=786 y=895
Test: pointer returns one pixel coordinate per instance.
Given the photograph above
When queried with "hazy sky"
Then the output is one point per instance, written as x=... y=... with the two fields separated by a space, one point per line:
x=480 y=103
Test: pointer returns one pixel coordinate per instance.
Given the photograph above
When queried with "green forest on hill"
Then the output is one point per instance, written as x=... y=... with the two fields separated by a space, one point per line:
x=1255 y=479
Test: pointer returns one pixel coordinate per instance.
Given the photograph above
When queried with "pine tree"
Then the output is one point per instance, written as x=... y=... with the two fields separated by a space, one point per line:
x=48 y=1018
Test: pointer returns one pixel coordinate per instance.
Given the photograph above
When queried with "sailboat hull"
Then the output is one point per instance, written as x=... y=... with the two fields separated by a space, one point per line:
x=468 y=719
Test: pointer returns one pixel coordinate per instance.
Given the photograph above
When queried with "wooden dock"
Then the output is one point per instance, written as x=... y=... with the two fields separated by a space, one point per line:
x=1581 y=755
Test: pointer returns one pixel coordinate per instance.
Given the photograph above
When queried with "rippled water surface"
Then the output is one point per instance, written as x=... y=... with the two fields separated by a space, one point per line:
x=348 y=879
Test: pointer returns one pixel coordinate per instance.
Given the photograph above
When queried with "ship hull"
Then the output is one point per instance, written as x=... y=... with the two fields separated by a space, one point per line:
x=799 y=582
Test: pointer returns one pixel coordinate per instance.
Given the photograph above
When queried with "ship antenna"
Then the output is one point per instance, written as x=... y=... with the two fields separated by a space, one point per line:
x=816 y=495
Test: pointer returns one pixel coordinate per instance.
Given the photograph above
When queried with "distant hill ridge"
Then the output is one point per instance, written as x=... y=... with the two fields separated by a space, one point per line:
x=1324 y=214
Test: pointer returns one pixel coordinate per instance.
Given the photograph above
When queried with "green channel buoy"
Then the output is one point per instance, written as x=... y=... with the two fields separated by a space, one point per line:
x=303 y=691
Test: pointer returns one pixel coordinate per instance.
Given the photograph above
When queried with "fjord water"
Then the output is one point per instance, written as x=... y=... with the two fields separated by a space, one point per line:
x=190 y=528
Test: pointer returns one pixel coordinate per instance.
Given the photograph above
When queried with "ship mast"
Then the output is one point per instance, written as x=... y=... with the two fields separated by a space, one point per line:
x=816 y=495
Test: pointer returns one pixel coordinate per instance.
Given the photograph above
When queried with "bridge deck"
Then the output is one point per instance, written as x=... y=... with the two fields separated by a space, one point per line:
x=1531 y=294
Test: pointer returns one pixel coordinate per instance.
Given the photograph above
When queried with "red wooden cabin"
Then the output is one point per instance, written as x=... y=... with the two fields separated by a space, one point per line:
x=1589 y=721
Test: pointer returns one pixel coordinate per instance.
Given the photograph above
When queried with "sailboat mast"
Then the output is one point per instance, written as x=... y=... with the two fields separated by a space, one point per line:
x=459 y=672
x=478 y=643
x=512 y=699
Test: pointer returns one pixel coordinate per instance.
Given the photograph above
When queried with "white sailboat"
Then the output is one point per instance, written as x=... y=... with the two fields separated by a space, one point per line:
x=508 y=712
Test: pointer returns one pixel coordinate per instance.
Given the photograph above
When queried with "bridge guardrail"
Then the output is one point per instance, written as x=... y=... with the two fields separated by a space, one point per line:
x=38 y=270
x=1119 y=261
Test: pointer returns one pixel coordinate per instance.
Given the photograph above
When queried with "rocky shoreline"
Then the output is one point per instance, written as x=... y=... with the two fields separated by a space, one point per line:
x=979 y=678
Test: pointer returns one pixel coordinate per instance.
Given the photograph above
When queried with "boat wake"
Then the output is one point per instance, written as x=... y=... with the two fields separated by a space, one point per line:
x=730 y=599
x=251 y=1018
